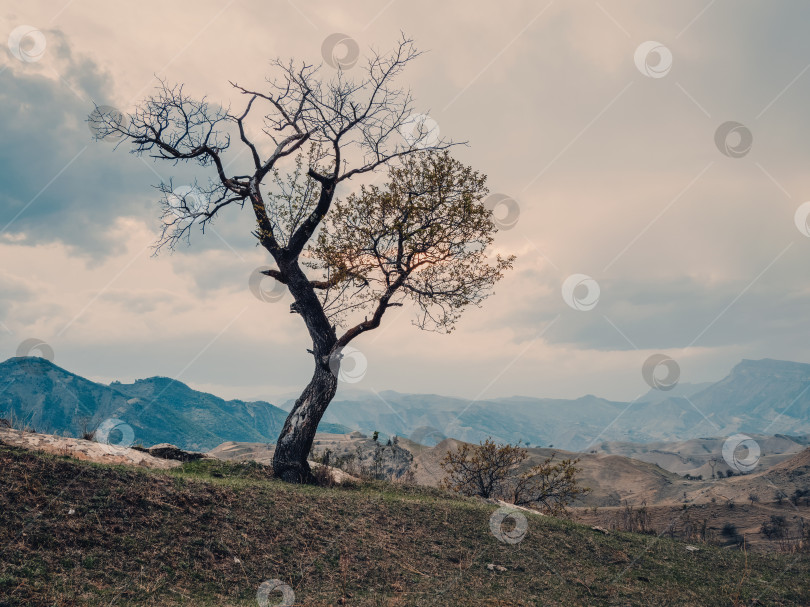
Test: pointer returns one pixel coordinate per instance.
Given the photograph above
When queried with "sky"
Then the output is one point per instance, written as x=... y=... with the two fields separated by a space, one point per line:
x=655 y=155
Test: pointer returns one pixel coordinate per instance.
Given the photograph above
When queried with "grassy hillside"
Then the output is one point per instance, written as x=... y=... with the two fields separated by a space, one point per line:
x=212 y=532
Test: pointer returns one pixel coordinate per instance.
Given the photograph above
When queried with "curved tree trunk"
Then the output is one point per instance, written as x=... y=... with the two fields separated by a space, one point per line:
x=295 y=441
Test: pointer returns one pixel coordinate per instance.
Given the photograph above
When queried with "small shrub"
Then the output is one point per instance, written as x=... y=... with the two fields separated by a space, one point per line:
x=323 y=476
x=490 y=470
x=776 y=528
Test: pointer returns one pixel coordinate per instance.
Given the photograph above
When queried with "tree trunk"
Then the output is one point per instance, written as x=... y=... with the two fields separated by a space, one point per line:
x=295 y=441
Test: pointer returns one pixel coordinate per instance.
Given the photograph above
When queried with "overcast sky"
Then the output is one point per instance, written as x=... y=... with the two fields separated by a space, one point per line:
x=612 y=146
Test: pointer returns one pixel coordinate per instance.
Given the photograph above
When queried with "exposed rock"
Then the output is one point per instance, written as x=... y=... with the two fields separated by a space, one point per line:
x=338 y=475
x=83 y=449
x=351 y=452
x=504 y=504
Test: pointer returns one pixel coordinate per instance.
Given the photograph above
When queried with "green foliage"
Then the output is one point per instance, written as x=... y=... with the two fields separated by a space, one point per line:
x=294 y=193
x=423 y=237
x=214 y=468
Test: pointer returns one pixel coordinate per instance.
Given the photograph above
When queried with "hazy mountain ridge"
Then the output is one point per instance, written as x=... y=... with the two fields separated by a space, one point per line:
x=749 y=399
x=757 y=397
x=761 y=390
x=41 y=395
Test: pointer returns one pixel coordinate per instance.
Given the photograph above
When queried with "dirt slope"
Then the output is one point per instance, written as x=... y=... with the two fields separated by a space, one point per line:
x=72 y=533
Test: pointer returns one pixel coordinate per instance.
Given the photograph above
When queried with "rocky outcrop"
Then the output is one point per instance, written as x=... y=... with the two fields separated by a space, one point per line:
x=83 y=449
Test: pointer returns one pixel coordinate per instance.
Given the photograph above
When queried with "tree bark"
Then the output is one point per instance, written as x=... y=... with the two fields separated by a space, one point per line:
x=295 y=441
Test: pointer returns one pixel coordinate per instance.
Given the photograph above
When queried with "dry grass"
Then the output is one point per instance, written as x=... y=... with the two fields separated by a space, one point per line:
x=210 y=533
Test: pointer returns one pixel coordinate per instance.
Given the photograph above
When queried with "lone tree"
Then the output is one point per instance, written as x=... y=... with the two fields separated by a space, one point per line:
x=422 y=237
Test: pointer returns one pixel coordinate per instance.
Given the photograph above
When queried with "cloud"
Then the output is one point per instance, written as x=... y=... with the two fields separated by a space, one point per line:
x=58 y=183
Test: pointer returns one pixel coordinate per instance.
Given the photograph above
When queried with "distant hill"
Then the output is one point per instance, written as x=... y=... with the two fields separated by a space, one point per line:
x=762 y=397
x=43 y=396
x=681 y=390
x=757 y=397
x=760 y=394
x=570 y=424
x=693 y=456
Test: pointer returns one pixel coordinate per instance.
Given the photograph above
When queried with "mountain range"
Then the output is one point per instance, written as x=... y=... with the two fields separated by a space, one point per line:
x=757 y=397
x=763 y=397
x=37 y=394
